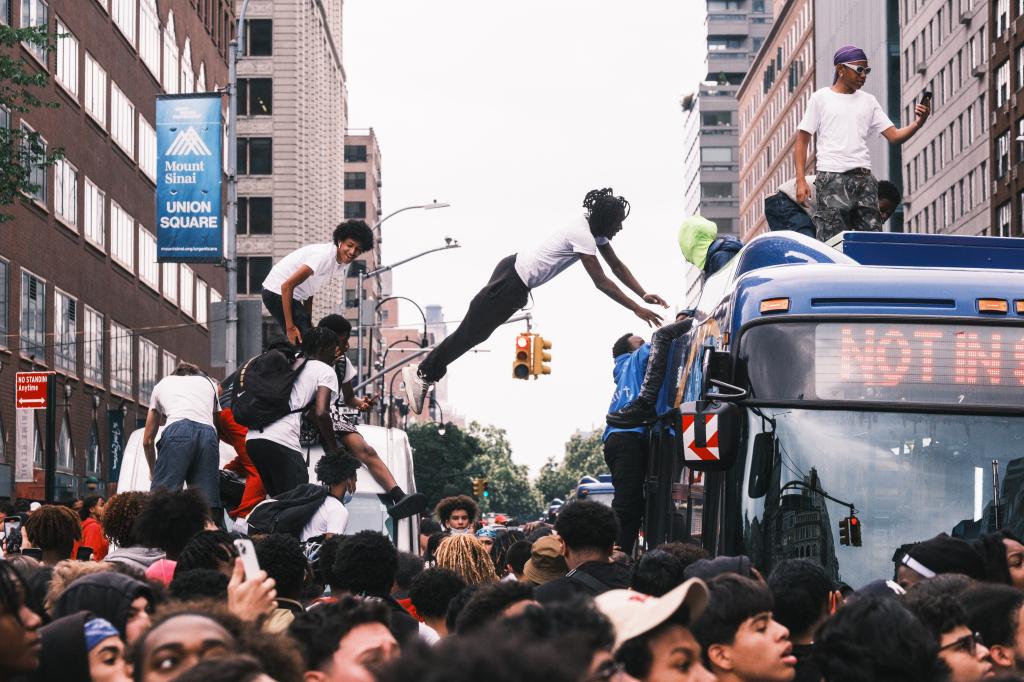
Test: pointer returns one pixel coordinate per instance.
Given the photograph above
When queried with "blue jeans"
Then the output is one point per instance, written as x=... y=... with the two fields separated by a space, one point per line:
x=188 y=452
x=782 y=213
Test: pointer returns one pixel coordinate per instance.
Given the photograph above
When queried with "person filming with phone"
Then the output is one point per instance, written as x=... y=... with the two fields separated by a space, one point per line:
x=843 y=117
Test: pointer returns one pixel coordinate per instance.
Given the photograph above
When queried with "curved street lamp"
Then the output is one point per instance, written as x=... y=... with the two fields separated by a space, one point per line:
x=425 y=207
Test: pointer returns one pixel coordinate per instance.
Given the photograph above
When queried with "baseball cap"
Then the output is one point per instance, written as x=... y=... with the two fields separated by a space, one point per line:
x=546 y=561
x=634 y=613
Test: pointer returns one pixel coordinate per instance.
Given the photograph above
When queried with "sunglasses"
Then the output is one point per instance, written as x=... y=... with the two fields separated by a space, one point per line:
x=858 y=69
x=967 y=643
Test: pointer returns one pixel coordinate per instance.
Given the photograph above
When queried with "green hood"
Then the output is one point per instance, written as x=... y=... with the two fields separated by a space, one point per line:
x=695 y=237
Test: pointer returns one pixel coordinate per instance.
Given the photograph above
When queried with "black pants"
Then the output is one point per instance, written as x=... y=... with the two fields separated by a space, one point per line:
x=782 y=213
x=280 y=468
x=625 y=453
x=275 y=306
x=504 y=294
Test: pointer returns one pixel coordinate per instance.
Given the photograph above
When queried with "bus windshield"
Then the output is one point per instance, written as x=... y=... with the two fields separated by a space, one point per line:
x=909 y=476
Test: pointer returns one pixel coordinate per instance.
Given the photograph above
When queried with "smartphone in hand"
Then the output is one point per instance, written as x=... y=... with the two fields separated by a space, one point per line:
x=247 y=553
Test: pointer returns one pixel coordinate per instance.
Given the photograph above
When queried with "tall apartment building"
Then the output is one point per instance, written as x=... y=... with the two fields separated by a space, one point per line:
x=796 y=60
x=1006 y=139
x=946 y=164
x=292 y=114
x=81 y=292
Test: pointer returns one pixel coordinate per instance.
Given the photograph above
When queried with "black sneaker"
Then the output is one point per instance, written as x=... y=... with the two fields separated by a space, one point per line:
x=408 y=505
x=637 y=413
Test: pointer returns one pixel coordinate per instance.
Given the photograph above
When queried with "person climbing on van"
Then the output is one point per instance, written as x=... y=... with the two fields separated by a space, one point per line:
x=782 y=212
x=703 y=248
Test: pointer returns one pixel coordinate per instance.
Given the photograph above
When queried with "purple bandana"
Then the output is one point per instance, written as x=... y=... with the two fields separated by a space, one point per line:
x=847 y=53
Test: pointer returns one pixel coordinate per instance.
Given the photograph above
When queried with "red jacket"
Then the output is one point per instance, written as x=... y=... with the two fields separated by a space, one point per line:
x=92 y=536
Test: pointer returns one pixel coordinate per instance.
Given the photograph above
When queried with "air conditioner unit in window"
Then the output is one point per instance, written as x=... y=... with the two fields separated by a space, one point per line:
x=965 y=16
x=978 y=71
x=921 y=68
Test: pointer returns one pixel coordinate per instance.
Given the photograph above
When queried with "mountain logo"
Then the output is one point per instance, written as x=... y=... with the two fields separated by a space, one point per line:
x=188 y=142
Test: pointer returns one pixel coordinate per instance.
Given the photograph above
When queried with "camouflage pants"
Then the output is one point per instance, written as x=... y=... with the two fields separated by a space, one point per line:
x=846 y=201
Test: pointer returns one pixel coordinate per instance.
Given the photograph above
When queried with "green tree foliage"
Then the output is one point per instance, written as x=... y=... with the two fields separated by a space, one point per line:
x=584 y=456
x=508 y=482
x=20 y=82
x=443 y=461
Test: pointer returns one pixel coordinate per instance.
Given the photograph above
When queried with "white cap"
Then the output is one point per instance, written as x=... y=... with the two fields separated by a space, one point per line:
x=33 y=506
x=634 y=613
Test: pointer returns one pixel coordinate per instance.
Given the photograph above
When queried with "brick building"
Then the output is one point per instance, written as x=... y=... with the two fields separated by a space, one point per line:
x=81 y=293
x=1005 y=72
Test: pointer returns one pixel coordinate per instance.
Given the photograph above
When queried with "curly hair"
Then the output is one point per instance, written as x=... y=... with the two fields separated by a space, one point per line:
x=940 y=613
x=468 y=557
x=433 y=589
x=621 y=345
x=489 y=602
x=319 y=631
x=334 y=467
x=605 y=210
x=317 y=339
x=169 y=519
x=119 y=517
x=53 y=528
x=587 y=525
x=446 y=506
x=207 y=549
x=657 y=573
x=282 y=558
x=366 y=563
x=224 y=669
x=800 y=589
x=354 y=229
x=499 y=550
x=199 y=584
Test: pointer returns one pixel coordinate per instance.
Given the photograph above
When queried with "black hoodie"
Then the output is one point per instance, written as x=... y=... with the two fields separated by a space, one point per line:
x=107 y=595
x=63 y=657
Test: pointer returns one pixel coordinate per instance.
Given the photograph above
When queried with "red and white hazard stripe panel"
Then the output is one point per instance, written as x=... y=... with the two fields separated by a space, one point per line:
x=700 y=438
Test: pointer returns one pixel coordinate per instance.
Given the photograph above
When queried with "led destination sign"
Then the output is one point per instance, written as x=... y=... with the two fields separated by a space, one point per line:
x=926 y=363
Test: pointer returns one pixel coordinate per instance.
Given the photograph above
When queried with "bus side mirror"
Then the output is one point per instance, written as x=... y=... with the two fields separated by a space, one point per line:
x=762 y=463
x=710 y=434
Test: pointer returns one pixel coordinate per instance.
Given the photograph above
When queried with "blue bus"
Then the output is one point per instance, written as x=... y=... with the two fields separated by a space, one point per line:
x=875 y=381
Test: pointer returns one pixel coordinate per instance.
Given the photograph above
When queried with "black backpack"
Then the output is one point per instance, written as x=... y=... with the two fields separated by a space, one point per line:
x=289 y=512
x=262 y=391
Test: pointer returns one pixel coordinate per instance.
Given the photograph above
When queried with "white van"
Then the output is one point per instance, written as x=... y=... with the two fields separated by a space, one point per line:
x=366 y=512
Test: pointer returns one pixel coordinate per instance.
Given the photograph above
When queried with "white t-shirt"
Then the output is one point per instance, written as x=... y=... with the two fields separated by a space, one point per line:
x=331 y=517
x=185 y=397
x=789 y=189
x=557 y=252
x=322 y=259
x=285 y=431
x=843 y=124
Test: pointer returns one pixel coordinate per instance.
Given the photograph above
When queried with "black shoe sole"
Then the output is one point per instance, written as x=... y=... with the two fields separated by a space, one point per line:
x=408 y=506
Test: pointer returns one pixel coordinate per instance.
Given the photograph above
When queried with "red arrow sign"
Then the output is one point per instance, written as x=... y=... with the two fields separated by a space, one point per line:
x=30 y=390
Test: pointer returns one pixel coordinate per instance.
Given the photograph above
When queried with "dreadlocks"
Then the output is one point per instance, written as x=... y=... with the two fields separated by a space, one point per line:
x=604 y=209
x=468 y=557
x=54 y=528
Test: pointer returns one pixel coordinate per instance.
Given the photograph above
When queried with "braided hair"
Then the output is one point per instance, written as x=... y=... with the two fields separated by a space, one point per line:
x=605 y=210
x=468 y=557
x=54 y=528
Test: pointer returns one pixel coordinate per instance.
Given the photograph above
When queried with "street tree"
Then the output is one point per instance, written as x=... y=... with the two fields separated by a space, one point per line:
x=508 y=482
x=584 y=456
x=443 y=462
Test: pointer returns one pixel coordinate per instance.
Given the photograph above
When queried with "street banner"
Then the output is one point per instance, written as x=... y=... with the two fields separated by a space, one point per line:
x=189 y=224
x=115 y=426
x=24 y=445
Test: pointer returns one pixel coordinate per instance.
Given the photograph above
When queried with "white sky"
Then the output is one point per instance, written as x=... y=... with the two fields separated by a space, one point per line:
x=512 y=112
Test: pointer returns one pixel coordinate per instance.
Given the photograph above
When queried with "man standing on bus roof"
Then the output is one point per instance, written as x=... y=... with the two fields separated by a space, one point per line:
x=843 y=117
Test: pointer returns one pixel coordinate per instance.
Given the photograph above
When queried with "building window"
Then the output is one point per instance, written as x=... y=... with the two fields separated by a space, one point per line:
x=355 y=209
x=188 y=75
x=170 y=279
x=65 y=452
x=37 y=176
x=92 y=455
x=355 y=180
x=255 y=215
x=202 y=302
x=122 y=237
x=149 y=270
x=5 y=298
x=93 y=342
x=1002 y=17
x=255 y=156
x=149 y=36
x=355 y=153
x=188 y=285
x=260 y=35
x=718 y=190
x=1003 y=83
x=65 y=193
x=33 y=316
x=149 y=355
x=1003 y=220
x=147 y=148
x=170 y=57
x=255 y=96
x=123 y=12
x=120 y=359
x=122 y=120
x=95 y=90
x=716 y=118
x=719 y=44
x=35 y=13
x=1020 y=140
x=65 y=333
x=1002 y=154
x=984 y=181
x=716 y=154
x=252 y=270
x=67 y=60
x=169 y=362
x=95 y=218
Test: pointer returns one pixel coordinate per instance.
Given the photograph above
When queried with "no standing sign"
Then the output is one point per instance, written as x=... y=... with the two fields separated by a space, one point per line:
x=30 y=390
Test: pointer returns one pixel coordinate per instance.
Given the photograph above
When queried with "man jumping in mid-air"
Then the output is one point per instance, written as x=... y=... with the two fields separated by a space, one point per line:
x=516 y=275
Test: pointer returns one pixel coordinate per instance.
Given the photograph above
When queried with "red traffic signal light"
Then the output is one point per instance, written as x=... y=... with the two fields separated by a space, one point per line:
x=855 y=529
x=522 y=365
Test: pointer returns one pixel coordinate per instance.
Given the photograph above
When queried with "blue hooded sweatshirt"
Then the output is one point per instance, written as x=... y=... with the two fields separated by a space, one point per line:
x=628 y=375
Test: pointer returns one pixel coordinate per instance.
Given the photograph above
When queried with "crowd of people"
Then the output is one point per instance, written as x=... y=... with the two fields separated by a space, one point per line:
x=171 y=599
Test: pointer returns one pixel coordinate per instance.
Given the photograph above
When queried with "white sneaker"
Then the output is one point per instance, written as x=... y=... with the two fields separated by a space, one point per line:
x=416 y=389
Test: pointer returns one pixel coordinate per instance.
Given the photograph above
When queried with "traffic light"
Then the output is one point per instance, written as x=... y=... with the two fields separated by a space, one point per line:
x=522 y=365
x=844 y=531
x=540 y=355
x=478 y=487
x=855 y=531
x=485 y=488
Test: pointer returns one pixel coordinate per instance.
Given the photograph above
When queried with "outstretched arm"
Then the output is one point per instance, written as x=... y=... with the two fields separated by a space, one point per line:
x=623 y=274
x=601 y=281
x=900 y=135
